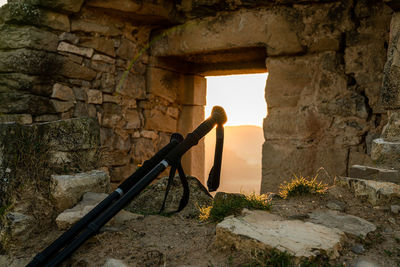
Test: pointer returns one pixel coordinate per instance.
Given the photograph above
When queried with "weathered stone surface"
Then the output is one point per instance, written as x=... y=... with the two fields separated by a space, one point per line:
x=108 y=82
x=73 y=70
x=69 y=37
x=115 y=158
x=371 y=173
x=18 y=225
x=55 y=21
x=114 y=263
x=386 y=153
x=22 y=82
x=94 y=27
x=66 y=47
x=164 y=83
x=14 y=37
x=120 y=173
x=390 y=94
x=61 y=106
x=18 y=102
x=132 y=85
x=70 y=6
x=62 y=92
x=100 y=44
x=351 y=225
x=156 y=120
x=376 y=193
x=68 y=189
x=132 y=119
x=94 y=97
x=150 y=200
x=245 y=28
x=19 y=118
x=261 y=230
x=127 y=50
x=29 y=62
x=391 y=131
x=103 y=58
x=89 y=200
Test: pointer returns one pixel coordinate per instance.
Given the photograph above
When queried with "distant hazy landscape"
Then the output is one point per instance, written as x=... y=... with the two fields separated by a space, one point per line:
x=241 y=160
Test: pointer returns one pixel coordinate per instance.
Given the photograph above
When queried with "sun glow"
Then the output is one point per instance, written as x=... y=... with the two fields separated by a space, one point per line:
x=242 y=97
x=3 y=2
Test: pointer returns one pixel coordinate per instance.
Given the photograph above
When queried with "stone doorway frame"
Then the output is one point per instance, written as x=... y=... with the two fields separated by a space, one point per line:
x=182 y=78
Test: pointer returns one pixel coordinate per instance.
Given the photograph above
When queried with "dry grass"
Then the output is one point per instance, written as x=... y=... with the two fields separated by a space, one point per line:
x=302 y=186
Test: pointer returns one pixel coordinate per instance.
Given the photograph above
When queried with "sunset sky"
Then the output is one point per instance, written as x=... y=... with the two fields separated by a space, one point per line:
x=242 y=97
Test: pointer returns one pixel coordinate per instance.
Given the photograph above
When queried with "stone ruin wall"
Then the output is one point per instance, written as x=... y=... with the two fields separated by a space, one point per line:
x=63 y=59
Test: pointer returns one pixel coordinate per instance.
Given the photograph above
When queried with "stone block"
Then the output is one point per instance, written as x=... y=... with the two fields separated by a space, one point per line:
x=94 y=27
x=108 y=82
x=114 y=263
x=132 y=85
x=350 y=224
x=14 y=37
x=142 y=149
x=164 y=83
x=62 y=92
x=69 y=37
x=246 y=28
x=89 y=200
x=390 y=93
x=83 y=51
x=23 y=82
x=68 y=189
x=132 y=119
x=46 y=118
x=102 y=67
x=376 y=193
x=260 y=230
x=386 y=153
x=149 y=134
x=61 y=106
x=29 y=62
x=127 y=50
x=115 y=158
x=19 y=118
x=103 y=58
x=156 y=120
x=193 y=91
x=18 y=102
x=391 y=131
x=119 y=174
x=73 y=70
x=69 y=6
x=94 y=97
x=100 y=44
x=112 y=98
x=56 y=21
x=377 y=174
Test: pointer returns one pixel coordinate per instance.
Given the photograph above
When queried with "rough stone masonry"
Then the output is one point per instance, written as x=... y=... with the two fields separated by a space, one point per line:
x=333 y=74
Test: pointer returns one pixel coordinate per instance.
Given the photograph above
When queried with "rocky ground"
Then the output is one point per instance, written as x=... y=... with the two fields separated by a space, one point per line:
x=178 y=240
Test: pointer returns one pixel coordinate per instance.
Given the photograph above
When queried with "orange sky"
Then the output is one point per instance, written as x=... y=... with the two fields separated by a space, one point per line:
x=242 y=97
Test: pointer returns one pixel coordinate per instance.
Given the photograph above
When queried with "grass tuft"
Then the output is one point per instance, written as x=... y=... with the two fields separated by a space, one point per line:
x=302 y=186
x=232 y=204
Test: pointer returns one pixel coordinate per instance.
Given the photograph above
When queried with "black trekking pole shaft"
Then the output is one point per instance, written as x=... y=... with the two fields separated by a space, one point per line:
x=218 y=116
x=100 y=221
x=67 y=236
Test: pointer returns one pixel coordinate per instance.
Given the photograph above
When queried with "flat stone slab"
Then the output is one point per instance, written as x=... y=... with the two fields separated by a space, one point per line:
x=349 y=224
x=89 y=201
x=376 y=193
x=372 y=173
x=68 y=189
x=261 y=230
x=386 y=153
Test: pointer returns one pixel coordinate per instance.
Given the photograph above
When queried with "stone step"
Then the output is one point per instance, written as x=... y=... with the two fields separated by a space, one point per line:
x=373 y=173
x=89 y=200
x=67 y=190
x=260 y=230
x=386 y=153
x=376 y=193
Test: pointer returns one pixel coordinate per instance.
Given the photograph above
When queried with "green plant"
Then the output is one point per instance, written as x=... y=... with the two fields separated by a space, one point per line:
x=302 y=186
x=233 y=204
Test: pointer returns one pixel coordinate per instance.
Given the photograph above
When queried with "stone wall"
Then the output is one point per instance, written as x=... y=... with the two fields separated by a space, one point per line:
x=67 y=58
x=325 y=62
x=75 y=58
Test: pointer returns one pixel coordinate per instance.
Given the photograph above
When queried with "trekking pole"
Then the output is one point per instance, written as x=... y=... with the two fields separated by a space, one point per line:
x=218 y=116
x=67 y=236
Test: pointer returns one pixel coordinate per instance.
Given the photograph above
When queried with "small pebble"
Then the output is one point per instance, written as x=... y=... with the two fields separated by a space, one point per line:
x=358 y=249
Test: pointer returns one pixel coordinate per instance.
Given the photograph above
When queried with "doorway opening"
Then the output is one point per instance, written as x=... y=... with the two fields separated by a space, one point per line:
x=242 y=97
